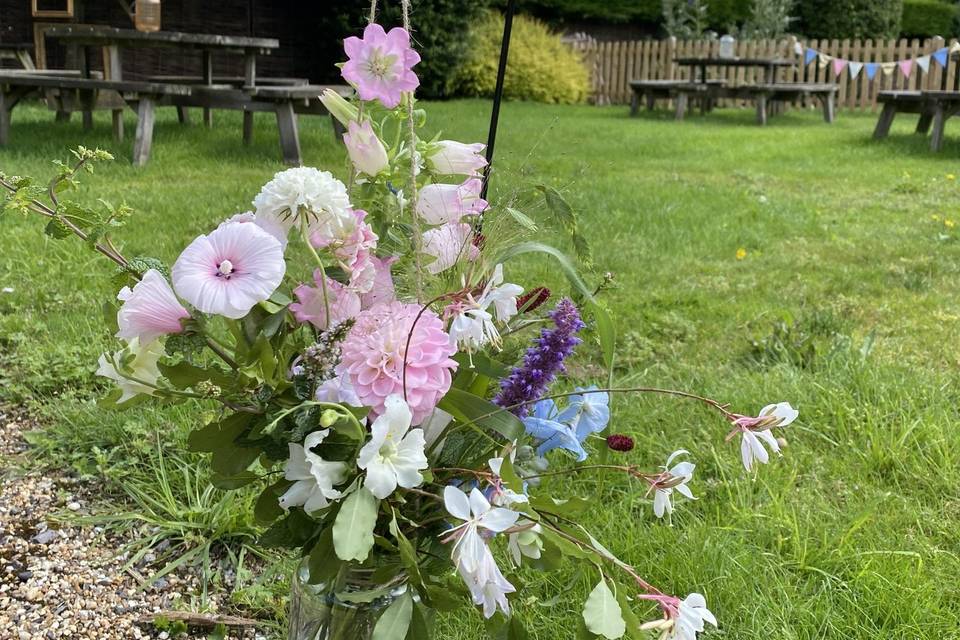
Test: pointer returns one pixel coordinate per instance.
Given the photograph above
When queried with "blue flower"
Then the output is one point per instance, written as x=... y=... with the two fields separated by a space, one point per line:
x=546 y=426
x=587 y=413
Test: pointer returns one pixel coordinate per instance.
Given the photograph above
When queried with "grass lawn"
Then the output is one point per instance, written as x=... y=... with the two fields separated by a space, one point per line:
x=844 y=304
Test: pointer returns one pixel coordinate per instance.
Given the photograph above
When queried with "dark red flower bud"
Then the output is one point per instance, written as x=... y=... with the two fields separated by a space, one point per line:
x=479 y=240
x=530 y=301
x=620 y=442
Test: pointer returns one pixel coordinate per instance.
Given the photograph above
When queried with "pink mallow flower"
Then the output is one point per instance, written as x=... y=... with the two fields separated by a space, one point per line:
x=449 y=243
x=380 y=65
x=443 y=203
x=344 y=303
x=354 y=251
x=449 y=157
x=149 y=310
x=383 y=289
x=365 y=149
x=230 y=270
x=376 y=347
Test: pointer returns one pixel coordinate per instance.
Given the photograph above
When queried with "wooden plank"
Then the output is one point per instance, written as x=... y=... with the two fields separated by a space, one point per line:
x=144 y=137
x=289 y=136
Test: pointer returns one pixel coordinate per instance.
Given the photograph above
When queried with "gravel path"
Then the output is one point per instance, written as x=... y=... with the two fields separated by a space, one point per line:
x=60 y=581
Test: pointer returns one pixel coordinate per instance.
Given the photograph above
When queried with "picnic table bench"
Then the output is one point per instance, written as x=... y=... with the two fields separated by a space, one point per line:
x=649 y=91
x=934 y=108
x=140 y=96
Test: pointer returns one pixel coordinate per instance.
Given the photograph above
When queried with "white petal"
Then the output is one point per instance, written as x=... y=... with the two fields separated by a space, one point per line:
x=457 y=503
x=498 y=519
x=380 y=480
x=661 y=503
x=478 y=503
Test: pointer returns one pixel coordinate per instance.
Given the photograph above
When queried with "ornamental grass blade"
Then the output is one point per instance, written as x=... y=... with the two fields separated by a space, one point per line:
x=601 y=613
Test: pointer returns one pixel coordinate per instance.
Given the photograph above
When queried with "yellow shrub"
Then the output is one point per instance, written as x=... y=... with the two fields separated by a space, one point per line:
x=540 y=66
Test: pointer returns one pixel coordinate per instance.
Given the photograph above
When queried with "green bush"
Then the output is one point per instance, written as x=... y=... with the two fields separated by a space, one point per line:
x=925 y=18
x=540 y=66
x=851 y=18
x=720 y=13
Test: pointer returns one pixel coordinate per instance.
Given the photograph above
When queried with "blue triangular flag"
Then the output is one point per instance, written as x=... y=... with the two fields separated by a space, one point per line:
x=940 y=55
x=809 y=56
x=871 y=69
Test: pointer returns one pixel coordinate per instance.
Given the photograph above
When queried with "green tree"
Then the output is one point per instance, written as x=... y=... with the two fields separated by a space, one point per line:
x=851 y=18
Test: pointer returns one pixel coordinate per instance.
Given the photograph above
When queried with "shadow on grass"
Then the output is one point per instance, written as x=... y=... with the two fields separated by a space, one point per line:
x=734 y=117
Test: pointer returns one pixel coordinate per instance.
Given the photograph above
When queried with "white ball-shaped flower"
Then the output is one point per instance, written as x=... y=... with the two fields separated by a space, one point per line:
x=304 y=193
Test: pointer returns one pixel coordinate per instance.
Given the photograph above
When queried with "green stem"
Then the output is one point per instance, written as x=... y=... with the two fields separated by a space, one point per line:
x=305 y=232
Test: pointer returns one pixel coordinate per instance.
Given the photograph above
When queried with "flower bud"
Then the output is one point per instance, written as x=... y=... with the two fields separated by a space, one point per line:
x=620 y=442
x=339 y=107
x=530 y=301
x=365 y=149
x=449 y=157
x=329 y=418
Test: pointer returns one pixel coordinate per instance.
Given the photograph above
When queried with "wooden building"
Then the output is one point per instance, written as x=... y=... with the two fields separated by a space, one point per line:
x=310 y=32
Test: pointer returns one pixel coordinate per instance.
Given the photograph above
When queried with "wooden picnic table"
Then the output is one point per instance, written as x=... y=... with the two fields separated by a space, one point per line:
x=769 y=65
x=19 y=51
x=113 y=41
x=934 y=108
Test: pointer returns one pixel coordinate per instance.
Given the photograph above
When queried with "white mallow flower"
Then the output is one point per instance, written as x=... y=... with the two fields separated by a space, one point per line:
x=134 y=369
x=395 y=454
x=304 y=193
x=677 y=478
x=488 y=587
x=525 y=543
x=476 y=513
x=313 y=477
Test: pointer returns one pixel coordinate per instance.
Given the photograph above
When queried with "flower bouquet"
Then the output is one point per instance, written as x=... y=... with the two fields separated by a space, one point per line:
x=371 y=396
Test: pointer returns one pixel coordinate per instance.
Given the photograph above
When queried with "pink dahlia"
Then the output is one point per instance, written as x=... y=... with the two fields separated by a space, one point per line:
x=374 y=351
x=229 y=270
x=149 y=310
x=344 y=303
x=380 y=65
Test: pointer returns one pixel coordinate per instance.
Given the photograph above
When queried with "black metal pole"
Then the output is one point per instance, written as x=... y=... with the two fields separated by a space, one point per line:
x=498 y=93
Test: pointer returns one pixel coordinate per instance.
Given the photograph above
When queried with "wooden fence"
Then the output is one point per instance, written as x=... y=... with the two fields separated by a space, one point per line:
x=614 y=64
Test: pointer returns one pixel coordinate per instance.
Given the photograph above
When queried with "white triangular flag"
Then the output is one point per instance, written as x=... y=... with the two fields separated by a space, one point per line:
x=798 y=48
x=924 y=63
x=855 y=68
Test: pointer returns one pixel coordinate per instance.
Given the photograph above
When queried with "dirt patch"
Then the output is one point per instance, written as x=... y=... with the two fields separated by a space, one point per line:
x=60 y=581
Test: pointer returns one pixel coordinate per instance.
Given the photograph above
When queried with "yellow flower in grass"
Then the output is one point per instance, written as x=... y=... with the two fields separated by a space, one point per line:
x=935 y=218
x=741 y=253
x=951 y=177
x=950 y=224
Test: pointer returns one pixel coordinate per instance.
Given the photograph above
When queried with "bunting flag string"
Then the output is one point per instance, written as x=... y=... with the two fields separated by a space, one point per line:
x=854 y=67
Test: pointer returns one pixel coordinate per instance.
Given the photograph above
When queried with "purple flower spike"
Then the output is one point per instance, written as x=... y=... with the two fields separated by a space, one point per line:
x=542 y=362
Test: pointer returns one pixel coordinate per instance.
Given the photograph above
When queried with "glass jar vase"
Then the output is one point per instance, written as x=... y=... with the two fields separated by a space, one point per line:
x=346 y=608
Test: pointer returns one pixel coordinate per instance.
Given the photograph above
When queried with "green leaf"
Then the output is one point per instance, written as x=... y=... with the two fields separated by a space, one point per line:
x=323 y=562
x=353 y=528
x=56 y=229
x=569 y=270
x=522 y=219
x=395 y=621
x=183 y=375
x=629 y=617
x=420 y=627
x=267 y=508
x=601 y=613
x=606 y=333
x=480 y=363
x=564 y=212
x=408 y=555
x=233 y=481
x=466 y=407
x=502 y=628
x=219 y=434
